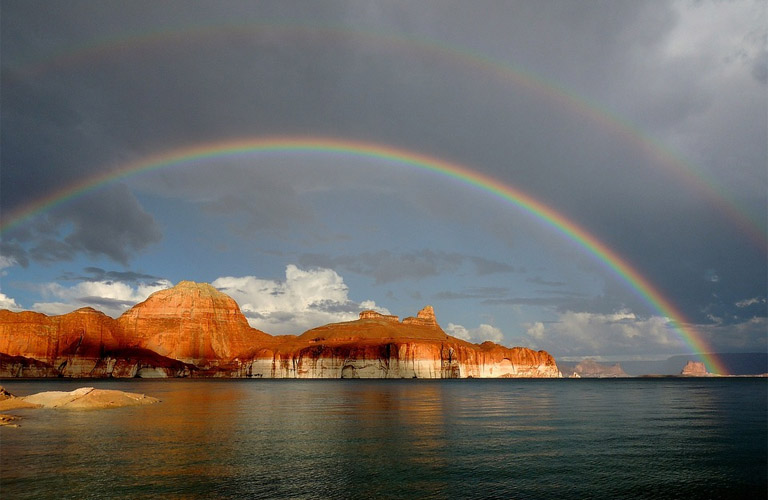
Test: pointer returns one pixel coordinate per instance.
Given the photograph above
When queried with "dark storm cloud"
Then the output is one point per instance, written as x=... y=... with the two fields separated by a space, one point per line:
x=14 y=252
x=760 y=68
x=107 y=223
x=540 y=281
x=473 y=293
x=99 y=274
x=558 y=300
x=331 y=306
x=745 y=336
x=252 y=199
x=42 y=141
x=486 y=266
x=69 y=120
x=559 y=303
x=110 y=222
x=386 y=267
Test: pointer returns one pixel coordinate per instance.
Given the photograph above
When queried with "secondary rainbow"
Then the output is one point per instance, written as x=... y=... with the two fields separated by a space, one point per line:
x=554 y=93
x=601 y=252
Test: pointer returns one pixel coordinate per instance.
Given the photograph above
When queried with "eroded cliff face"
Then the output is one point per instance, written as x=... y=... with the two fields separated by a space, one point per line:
x=71 y=344
x=195 y=330
x=191 y=322
x=378 y=346
x=401 y=359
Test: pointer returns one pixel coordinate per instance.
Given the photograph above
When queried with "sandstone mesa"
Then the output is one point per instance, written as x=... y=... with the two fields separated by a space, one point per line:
x=194 y=330
x=589 y=368
x=695 y=369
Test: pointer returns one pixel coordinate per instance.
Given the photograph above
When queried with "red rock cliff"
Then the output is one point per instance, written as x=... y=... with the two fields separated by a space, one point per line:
x=193 y=329
x=378 y=346
x=191 y=322
x=84 y=332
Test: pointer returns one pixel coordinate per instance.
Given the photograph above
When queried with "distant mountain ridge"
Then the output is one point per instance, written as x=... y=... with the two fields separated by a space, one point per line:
x=194 y=330
x=589 y=368
x=738 y=364
x=749 y=363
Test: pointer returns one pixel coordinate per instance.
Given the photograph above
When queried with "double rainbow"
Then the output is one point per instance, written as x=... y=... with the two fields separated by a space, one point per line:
x=273 y=31
x=506 y=192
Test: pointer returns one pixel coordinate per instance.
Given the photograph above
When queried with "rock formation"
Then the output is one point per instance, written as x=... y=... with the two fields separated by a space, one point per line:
x=695 y=369
x=425 y=317
x=381 y=348
x=69 y=344
x=191 y=322
x=195 y=330
x=590 y=368
x=85 y=398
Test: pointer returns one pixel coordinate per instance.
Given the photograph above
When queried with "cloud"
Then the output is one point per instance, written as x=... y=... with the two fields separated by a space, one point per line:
x=667 y=92
x=486 y=266
x=750 y=302
x=305 y=299
x=560 y=300
x=7 y=302
x=623 y=334
x=745 y=336
x=587 y=334
x=387 y=267
x=98 y=274
x=109 y=222
x=540 y=281
x=529 y=301
x=253 y=201
x=110 y=297
x=476 y=335
x=6 y=262
x=473 y=293
x=760 y=68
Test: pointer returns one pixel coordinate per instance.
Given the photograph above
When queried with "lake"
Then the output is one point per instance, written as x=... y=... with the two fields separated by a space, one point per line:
x=511 y=438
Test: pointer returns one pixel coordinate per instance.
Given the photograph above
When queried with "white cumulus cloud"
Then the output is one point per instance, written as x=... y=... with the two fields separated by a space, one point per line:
x=7 y=302
x=111 y=297
x=477 y=335
x=304 y=300
x=591 y=334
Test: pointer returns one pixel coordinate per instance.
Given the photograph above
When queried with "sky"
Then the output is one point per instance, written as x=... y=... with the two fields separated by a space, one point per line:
x=642 y=124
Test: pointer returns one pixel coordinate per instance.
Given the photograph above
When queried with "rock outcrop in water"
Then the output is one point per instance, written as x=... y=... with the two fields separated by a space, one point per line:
x=84 y=398
x=695 y=369
x=195 y=330
x=590 y=368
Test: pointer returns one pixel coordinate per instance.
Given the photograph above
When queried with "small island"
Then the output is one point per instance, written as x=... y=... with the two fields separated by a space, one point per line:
x=84 y=398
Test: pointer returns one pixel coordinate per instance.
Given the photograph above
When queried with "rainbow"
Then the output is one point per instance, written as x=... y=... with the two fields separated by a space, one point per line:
x=506 y=192
x=691 y=176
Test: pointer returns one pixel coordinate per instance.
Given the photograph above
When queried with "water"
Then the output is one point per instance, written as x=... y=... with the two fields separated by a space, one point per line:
x=643 y=438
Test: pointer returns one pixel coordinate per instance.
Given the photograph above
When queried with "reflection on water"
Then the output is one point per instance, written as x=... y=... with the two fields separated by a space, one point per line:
x=396 y=439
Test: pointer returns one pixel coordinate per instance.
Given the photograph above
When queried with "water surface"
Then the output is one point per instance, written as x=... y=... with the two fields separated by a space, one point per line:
x=630 y=438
